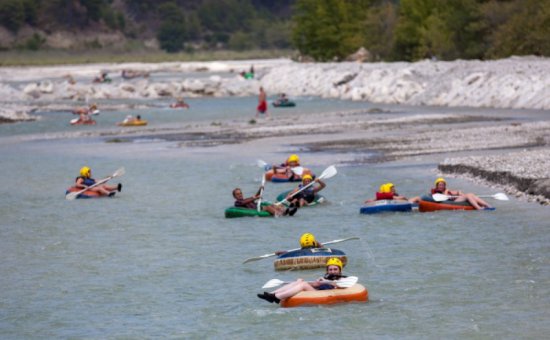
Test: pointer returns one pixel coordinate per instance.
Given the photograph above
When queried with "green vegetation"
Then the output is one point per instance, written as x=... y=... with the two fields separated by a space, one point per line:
x=325 y=30
x=58 y=57
x=416 y=29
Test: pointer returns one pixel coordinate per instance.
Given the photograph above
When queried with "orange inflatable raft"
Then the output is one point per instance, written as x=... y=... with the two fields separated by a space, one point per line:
x=355 y=293
x=87 y=193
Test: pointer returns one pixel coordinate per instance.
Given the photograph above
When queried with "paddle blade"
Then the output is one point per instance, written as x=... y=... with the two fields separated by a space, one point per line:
x=261 y=164
x=119 y=172
x=501 y=197
x=298 y=170
x=440 y=197
x=329 y=172
x=340 y=240
x=347 y=282
x=258 y=258
x=72 y=195
x=273 y=283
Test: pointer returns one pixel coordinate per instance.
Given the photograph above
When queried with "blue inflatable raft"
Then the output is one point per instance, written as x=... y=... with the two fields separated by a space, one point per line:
x=385 y=205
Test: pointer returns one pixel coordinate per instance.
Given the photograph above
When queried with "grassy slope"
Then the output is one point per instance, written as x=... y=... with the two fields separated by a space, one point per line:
x=57 y=57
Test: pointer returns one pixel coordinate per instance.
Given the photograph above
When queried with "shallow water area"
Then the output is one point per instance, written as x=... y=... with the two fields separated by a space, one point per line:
x=159 y=260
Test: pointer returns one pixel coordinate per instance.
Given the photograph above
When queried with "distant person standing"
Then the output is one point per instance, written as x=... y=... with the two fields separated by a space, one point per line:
x=262 y=103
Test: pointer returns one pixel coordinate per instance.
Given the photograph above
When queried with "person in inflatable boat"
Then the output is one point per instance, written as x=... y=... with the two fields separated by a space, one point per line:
x=387 y=192
x=306 y=196
x=440 y=187
x=307 y=241
x=286 y=168
x=333 y=272
x=250 y=203
x=85 y=180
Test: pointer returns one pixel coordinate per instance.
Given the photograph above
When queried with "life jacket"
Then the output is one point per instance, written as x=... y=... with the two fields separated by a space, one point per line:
x=384 y=196
x=332 y=277
x=435 y=191
x=240 y=204
x=86 y=181
x=308 y=194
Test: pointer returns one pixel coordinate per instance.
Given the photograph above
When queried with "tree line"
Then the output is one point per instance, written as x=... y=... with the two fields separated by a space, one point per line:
x=324 y=30
x=416 y=29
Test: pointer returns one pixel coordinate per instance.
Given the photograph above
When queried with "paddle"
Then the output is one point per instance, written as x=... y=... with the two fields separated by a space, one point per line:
x=324 y=244
x=498 y=196
x=344 y=282
x=298 y=170
x=259 y=206
x=72 y=195
x=328 y=173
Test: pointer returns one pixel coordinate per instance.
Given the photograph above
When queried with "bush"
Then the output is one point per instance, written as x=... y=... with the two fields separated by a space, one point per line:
x=35 y=42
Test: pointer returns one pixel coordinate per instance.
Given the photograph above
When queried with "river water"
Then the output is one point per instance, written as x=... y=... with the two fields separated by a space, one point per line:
x=159 y=260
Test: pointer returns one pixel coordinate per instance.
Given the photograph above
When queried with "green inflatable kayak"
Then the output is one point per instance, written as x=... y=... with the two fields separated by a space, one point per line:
x=233 y=212
x=318 y=198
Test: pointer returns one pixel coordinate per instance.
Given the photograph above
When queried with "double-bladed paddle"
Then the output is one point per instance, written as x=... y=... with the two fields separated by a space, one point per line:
x=259 y=204
x=498 y=196
x=328 y=173
x=273 y=254
x=72 y=195
x=344 y=282
x=298 y=170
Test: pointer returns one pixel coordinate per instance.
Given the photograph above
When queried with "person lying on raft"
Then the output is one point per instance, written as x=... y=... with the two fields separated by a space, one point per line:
x=102 y=78
x=130 y=119
x=86 y=111
x=307 y=241
x=306 y=196
x=283 y=99
x=459 y=196
x=250 y=203
x=286 y=168
x=180 y=103
x=334 y=272
x=387 y=192
x=85 y=180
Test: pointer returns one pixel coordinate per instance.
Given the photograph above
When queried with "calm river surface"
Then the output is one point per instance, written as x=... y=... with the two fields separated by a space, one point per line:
x=160 y=260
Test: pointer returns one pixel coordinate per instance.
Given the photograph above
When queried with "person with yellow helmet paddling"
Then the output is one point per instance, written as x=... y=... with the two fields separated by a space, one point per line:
x=440 y=187
x=85 y=180
x=307 y=241
x=286 y=168
x=333 y=272
x=250 y=203
x=387 y=191
x=307 y=195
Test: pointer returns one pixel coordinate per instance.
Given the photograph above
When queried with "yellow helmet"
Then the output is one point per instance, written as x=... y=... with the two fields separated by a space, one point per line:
x=389 y=185
x=440 y=179
x=293 y=158
x=334 y=261
x=307 y=176
x=85 y=171
x=307 y=240
x=382 y=188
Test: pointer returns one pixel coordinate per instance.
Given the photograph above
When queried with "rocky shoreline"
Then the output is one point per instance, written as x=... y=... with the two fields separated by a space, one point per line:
x=524 y=174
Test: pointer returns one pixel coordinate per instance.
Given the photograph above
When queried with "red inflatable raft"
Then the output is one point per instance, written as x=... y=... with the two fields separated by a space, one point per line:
x=427 y=204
